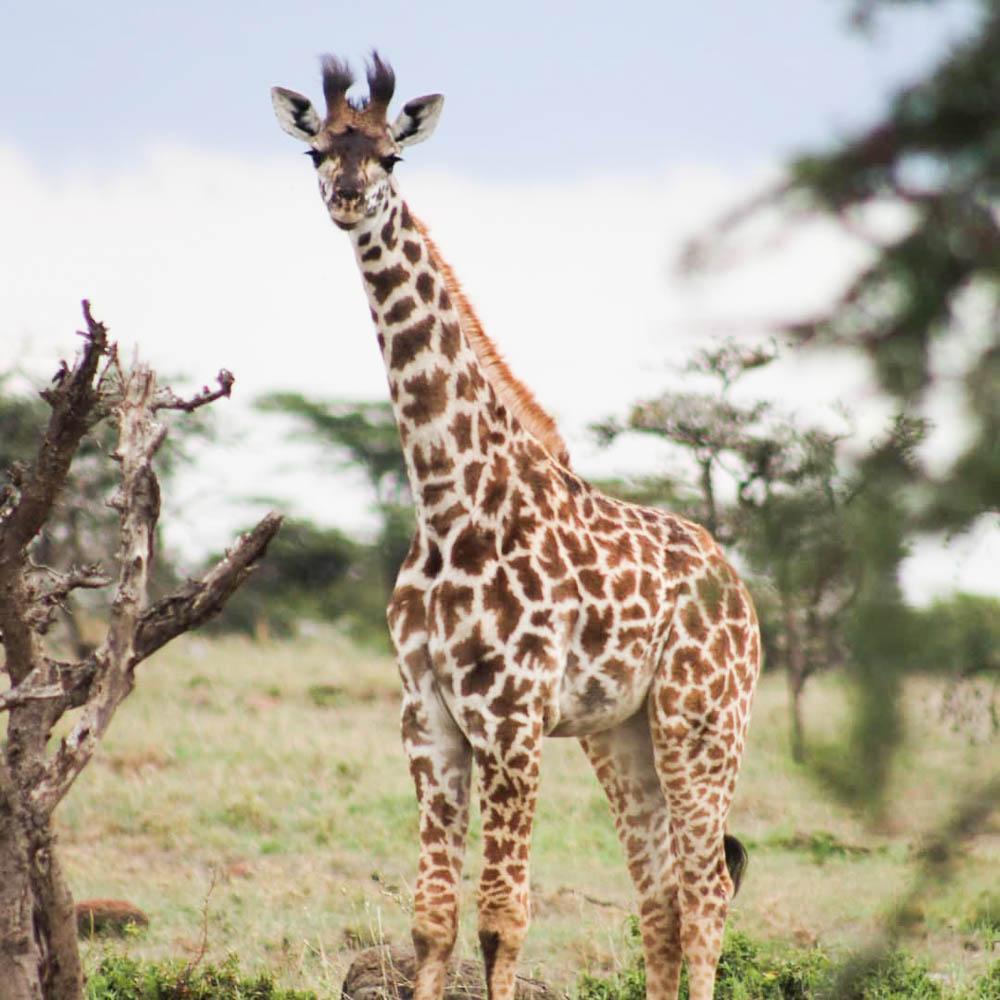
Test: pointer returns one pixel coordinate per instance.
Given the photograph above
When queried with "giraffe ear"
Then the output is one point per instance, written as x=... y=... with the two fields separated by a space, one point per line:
x=296 y=115
x=417 y=119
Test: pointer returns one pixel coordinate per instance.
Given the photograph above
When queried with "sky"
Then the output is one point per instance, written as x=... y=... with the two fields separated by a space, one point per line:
x=581 y=145
x=534 y=89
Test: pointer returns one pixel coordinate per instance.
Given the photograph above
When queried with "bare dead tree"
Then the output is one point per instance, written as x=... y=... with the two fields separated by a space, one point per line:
x=39 y=959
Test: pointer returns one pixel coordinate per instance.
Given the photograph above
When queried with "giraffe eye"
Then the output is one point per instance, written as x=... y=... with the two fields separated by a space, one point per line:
x=316 y=156
x=388 y=162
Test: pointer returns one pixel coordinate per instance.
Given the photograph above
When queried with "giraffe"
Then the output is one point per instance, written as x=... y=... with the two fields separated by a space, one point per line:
x=529 y=604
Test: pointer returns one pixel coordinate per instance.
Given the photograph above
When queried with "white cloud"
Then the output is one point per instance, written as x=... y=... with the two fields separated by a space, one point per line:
x=205 y=261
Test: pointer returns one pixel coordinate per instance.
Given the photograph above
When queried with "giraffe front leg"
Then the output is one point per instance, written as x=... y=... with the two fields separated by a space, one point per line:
x=508 y=780
x=622 y=759
x=441 y=765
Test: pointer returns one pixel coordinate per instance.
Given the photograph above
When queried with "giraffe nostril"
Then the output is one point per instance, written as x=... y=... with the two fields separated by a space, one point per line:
x=347 y=190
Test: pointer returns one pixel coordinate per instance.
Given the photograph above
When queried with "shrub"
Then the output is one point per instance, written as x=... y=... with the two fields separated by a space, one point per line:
x=118 y=977
x=744 y=973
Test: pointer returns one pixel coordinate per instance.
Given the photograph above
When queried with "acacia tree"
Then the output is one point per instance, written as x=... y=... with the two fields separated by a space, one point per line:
x=39 y=959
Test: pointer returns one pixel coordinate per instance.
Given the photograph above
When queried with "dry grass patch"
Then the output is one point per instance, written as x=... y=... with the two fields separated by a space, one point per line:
x=255 y=799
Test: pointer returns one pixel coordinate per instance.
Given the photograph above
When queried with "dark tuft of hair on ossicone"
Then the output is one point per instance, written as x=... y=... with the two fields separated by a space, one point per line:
x=337 y=79
x=381 y=81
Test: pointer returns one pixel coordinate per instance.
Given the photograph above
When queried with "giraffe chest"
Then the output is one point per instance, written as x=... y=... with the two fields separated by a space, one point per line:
x=571 y=666
x=557 y=625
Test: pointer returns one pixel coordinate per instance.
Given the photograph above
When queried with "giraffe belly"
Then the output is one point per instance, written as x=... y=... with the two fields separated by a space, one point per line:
x=590 y=701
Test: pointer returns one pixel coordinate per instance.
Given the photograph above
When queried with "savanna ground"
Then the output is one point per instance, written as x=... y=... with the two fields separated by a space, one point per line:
x=253 y=799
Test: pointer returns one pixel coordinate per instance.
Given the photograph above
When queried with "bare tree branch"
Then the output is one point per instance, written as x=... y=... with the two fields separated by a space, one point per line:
x=201 y=599
x=36 y=487
x=133 y=632
x=25 y=692
x=48 y=596
x=167 y=400
x=38 y=950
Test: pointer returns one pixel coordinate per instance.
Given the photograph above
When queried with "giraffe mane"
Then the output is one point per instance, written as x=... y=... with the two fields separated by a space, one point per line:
x=514 y=394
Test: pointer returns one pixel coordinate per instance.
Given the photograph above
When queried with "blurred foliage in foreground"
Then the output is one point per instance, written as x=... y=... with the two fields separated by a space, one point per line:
x=925 y=313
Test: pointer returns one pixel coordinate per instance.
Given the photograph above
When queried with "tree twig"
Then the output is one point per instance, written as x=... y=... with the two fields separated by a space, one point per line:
x=167 y=400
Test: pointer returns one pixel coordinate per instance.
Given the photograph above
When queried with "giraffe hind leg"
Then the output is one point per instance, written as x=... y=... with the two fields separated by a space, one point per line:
x=697 y=765
x=622 y=759
x=699 y=708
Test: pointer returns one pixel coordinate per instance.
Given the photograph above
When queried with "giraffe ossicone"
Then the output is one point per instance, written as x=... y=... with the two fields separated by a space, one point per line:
x=530 y=605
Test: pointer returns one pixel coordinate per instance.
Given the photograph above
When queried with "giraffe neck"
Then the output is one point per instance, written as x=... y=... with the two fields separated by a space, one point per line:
x=450 y=417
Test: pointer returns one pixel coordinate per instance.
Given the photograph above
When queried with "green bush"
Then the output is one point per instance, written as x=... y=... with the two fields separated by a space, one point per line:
x=895 y=977
x=747 y=971
x=118 y=977
x=744 y=973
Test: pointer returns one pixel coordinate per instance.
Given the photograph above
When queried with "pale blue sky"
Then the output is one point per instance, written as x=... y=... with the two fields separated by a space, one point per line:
x=533 y=88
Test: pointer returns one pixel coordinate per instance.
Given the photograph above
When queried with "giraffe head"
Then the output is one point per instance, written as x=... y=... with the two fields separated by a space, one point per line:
x=353 y=147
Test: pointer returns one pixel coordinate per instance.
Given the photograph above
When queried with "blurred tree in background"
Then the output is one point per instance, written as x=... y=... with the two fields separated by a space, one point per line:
x=362 y=435
x=323 y=574
x=311 y=577
x=776 y=493
x=960 y=636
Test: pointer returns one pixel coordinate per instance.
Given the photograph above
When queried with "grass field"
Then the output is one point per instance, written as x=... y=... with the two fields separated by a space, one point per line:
x=253 y=798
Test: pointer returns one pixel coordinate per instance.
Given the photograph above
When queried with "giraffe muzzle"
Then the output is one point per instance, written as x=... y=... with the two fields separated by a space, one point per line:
x=346 y=212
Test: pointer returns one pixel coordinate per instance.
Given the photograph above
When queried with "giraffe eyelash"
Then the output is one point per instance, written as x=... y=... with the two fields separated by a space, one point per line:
x=316 y=156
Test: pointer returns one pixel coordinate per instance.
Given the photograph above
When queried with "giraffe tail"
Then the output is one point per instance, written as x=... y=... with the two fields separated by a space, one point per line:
x=737 y=860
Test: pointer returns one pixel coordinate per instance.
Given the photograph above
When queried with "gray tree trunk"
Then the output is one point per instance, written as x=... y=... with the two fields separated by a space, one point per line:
x=796 y=671
x=21 y=961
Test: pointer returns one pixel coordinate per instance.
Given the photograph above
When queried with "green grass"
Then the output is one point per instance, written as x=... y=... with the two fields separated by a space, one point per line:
x=118 y=977
x=254 y=800
x=748 y=971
